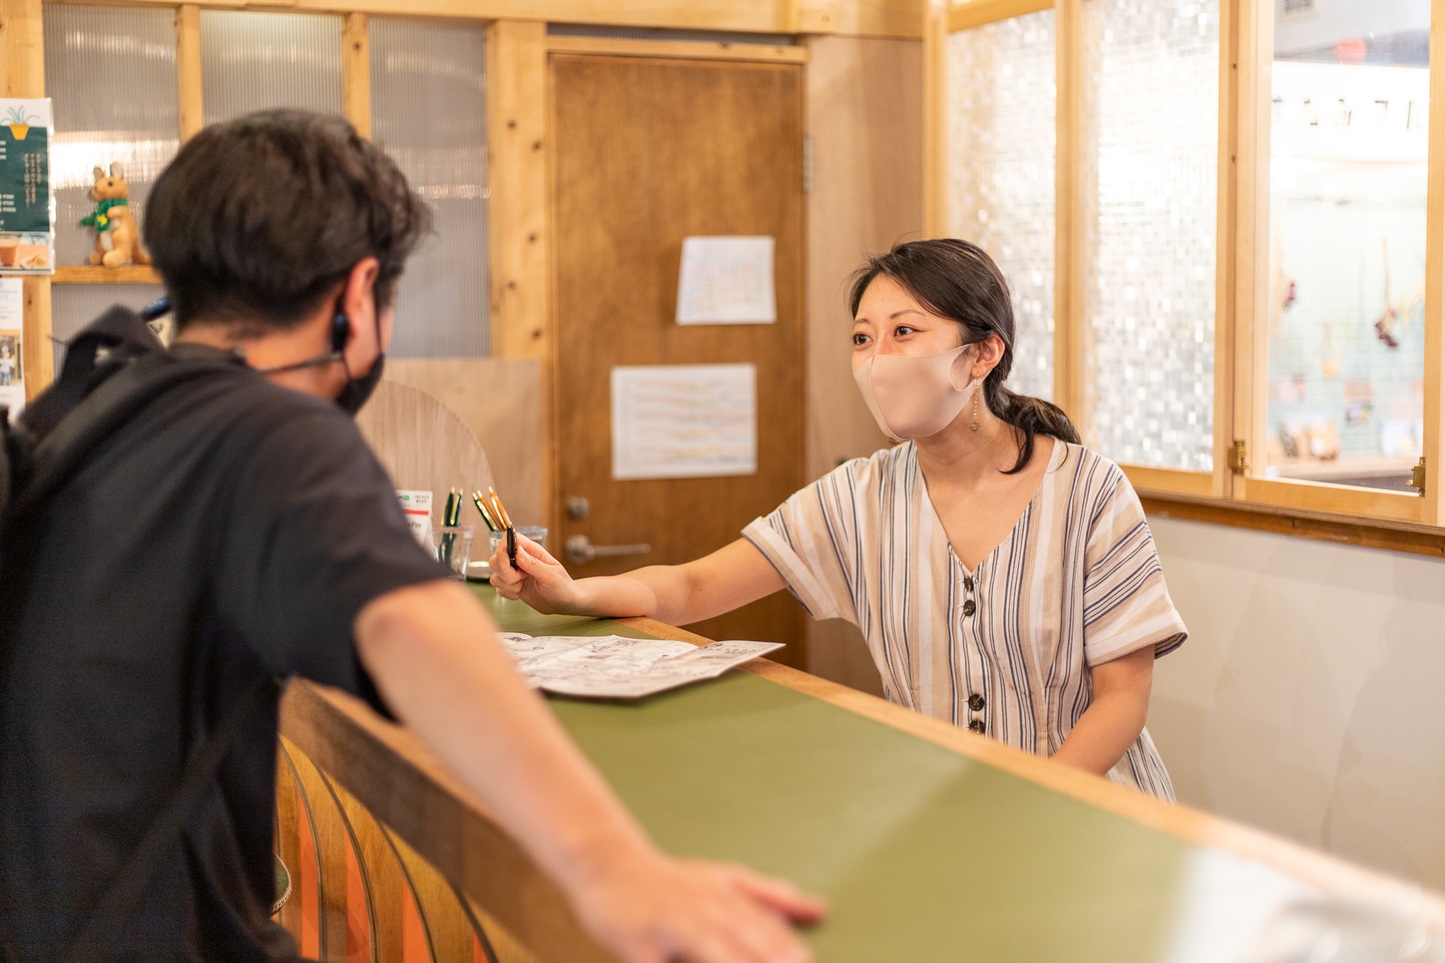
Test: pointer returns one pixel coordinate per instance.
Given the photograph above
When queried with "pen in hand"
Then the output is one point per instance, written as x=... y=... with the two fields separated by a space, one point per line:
x=512 y=545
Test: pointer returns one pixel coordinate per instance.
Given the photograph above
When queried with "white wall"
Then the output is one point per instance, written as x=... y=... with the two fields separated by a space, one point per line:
x=1308 y=700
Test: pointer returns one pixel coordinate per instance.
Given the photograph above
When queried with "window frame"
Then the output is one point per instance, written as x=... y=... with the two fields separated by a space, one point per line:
x=1241 y=334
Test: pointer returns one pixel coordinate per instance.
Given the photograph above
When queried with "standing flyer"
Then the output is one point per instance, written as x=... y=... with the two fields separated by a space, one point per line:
x=12 y=370
x=27 y=230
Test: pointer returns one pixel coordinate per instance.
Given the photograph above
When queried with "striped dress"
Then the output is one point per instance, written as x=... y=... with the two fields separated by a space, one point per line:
x=1004 y=649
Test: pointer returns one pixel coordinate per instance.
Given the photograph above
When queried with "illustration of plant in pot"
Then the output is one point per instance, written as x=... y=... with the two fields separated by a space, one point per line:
x=117 y=235
x=19 y=122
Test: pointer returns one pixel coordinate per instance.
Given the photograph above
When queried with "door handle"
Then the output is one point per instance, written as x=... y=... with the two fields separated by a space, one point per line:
x=580 y=550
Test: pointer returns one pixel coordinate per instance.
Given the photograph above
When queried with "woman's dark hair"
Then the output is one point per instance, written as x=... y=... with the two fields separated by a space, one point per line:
x=260 y=218
x=957 y=280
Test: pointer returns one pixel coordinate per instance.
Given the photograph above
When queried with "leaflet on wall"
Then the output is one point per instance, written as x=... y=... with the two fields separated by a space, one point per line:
x=726 y=280
x=27 y=231
x=684 y=421
x=12 y=369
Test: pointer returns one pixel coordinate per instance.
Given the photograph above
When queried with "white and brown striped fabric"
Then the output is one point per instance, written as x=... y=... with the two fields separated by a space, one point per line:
x=1004 y=649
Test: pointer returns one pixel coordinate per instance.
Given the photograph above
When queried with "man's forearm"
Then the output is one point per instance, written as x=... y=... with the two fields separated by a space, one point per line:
x=432 y=652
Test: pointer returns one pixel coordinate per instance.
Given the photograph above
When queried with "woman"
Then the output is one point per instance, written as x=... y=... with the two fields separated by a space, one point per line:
x=1003 y=575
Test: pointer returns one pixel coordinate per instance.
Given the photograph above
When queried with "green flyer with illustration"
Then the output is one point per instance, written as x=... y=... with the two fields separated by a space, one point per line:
x=27 y=232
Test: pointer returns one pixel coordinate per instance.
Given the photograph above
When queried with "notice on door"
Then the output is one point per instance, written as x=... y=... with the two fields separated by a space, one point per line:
x=684 y=421
x=726 y=280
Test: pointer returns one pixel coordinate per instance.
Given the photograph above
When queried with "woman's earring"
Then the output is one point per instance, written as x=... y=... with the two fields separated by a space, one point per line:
x=974 y=425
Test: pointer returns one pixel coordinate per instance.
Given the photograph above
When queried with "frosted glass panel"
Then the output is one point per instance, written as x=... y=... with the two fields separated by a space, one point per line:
x=1152 y=206
x=1001 y=173
x=111 y=72
x=428 y=111
x=1348 y=146
x=73 y=306
x=252 y=61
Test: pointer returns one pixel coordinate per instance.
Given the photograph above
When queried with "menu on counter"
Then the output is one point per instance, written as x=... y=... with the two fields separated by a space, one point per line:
x=613 y=667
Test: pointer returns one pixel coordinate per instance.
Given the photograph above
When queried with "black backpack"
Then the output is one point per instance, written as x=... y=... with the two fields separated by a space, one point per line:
x=113 y=369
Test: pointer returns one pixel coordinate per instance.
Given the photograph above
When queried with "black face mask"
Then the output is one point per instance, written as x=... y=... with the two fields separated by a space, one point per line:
x=357 y=391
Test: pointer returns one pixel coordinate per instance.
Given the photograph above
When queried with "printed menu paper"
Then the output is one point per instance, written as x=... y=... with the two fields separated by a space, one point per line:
x=684 y=421
x=417 y=507
x=612 y=667
x=726 y=280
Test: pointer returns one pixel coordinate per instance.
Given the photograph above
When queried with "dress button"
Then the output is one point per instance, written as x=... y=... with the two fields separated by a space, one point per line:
x=968 y=583
x=969 y=608
x=975 y=702
x=976 y=726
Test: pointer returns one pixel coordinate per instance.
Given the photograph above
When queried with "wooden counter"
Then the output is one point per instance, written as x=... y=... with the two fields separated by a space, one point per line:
x=931 y=843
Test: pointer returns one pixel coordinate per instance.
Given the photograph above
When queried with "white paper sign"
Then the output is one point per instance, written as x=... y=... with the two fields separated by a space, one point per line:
x=684 y=421
x=726 y=280
x=12 y=323
x=417 y=506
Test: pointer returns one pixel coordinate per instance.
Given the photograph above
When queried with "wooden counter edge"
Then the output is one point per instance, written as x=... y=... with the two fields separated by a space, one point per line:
x=1331 y=874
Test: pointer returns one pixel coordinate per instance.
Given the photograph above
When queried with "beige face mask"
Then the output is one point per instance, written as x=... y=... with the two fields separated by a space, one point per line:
x=914 y=397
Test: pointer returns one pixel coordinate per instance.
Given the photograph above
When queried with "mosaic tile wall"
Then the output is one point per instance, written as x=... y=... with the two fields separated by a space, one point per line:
x=1347 y=338
x=1152 y=141
x=1001 y=132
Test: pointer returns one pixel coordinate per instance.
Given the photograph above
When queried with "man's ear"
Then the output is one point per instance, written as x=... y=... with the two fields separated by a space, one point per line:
x=358 y=298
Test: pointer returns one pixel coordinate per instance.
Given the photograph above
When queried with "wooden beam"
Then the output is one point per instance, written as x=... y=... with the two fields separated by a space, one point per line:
x=1434 y=441
x=679 y=49
x=1069 y=211
x=978 y=13
x=1227 y=242
x=518 y=217
x=356 y=73
x=22 y=74
x=935 y=124
x=188 y=70
x=1254 y=41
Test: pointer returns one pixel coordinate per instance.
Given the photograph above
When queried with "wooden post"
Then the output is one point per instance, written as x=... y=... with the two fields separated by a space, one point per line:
x=356 y=72
x=188 y=70
x=1434 y=441
x=1253 y=36
x=935 y=121
x=519 y=222
x=1069 y=212
x=22 y=74
x=1227 y=242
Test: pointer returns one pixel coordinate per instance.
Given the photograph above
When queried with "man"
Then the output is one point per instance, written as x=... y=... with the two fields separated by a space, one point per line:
x=237 y=531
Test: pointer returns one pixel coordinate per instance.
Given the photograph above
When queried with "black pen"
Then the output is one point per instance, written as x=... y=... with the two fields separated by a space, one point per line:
x=512 y=545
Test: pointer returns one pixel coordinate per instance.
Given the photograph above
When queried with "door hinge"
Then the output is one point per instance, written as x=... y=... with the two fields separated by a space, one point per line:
x=1417 y=477
x=807 y=164
x=1238 y=457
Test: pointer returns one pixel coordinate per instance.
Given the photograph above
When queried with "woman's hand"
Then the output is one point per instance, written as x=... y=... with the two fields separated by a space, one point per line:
x=538 y=579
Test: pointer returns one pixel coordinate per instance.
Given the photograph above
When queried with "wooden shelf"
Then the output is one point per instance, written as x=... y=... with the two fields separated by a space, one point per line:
x=88 y=274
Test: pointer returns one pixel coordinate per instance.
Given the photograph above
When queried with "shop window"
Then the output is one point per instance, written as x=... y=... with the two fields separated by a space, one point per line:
x=428 y=111
x=1001 y=136
x=1151 y=147
x=253 y=61
x=111 y=75
x=1346 y=313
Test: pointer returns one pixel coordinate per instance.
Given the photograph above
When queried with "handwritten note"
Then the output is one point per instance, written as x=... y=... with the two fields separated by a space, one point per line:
x=613 y=667
x=726 y=280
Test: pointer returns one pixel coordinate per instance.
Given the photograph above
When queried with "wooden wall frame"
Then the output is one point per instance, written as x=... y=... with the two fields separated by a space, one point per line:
x=1241 y=376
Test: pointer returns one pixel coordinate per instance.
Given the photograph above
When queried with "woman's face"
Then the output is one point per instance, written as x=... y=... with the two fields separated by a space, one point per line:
x=891 y=321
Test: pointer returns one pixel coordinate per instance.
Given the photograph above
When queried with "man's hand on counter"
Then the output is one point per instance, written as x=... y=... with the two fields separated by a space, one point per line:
x=435 y=658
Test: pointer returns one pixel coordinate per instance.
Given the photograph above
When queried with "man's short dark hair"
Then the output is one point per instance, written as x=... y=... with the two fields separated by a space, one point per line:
x=258 y=219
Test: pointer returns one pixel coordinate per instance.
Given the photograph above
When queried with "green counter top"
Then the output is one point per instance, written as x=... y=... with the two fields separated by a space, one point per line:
x=924 y=854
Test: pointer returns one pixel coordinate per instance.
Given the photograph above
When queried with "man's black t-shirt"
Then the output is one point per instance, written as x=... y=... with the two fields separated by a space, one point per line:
x=231 y=531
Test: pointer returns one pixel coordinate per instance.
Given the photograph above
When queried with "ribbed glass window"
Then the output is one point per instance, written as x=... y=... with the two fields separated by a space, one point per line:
x=253 y=61
x=111 y=73
x=428 y=111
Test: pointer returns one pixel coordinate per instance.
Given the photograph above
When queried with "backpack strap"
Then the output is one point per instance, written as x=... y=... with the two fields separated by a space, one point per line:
x=124 y=894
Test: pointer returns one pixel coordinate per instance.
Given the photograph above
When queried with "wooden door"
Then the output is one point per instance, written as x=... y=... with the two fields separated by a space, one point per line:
x=647 y=152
